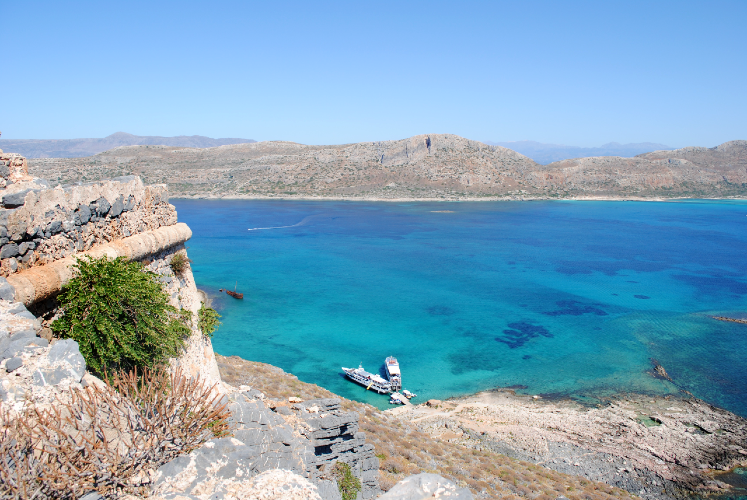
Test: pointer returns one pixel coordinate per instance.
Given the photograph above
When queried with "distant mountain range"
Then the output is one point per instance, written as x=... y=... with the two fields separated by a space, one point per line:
x=78 y=148
x=547 y=153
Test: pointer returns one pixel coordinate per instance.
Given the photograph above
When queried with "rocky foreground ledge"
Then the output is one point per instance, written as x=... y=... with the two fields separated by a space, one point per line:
x=657 y=447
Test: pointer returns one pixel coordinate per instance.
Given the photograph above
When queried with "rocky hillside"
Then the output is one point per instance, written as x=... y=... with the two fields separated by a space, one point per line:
x=402 y=449
x=437 y=166
x=687 y=172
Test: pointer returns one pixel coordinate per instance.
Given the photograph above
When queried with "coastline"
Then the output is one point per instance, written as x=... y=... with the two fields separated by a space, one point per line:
x=443 y=199
x=654 y=446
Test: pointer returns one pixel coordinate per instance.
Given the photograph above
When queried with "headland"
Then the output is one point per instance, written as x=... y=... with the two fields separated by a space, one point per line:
x=422 y=167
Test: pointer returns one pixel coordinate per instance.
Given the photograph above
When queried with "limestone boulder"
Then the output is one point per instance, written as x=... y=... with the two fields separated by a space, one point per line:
x=425 y=485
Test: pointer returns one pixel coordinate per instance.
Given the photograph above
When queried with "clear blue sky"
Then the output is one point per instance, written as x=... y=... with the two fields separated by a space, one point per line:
x=577 y=73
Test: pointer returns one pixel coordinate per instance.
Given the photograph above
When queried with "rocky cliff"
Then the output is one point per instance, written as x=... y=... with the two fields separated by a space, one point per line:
x=435 y=166
x=44 y=231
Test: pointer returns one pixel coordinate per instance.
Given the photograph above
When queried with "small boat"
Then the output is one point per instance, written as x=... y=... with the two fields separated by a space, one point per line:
x=408 y=394
x=393 y=373
x=368 y=380
x=233 y=293
x=396 y=399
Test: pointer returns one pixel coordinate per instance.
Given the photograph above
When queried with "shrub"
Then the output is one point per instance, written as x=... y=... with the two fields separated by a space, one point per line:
x=207 y=320
x=348 y=484
x=386 y=482
x=179 y=262
x=119 y=315
x=107 y=439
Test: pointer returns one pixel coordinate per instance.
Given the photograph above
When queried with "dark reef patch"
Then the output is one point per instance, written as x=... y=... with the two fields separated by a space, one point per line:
x=574 y=308
x=440 y=311
x=520 y=333
x=714 y=285
x=644 y=297
x=608 y=268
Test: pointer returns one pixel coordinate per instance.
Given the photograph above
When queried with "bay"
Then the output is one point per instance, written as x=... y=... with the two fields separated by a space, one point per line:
x=560 y=298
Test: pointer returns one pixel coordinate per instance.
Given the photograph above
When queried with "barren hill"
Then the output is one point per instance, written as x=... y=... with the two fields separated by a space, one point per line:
x=75 y=148
x=435 y=166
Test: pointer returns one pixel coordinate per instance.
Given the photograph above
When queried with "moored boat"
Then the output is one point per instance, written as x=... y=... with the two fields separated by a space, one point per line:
x=233 y=293
x=408 y=394
x=368 y=380
x=397 y=399
x=393 y=373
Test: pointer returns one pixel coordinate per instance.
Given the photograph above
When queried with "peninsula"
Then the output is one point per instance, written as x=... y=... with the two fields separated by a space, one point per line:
x=423 y=167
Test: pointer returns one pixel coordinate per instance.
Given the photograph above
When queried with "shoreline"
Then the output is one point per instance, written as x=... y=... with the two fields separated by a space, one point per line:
x=655 y=446
x=448 y=200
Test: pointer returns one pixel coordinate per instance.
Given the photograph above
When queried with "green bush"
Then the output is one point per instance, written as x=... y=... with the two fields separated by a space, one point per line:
x=348 y=484
x=207 y=320
x=120 y=316
x=179 y=263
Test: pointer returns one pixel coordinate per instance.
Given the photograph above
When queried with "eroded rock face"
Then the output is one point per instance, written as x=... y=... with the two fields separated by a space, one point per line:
x=334 y=435
x=13 y=169
x=305 y=442
x=32 y=370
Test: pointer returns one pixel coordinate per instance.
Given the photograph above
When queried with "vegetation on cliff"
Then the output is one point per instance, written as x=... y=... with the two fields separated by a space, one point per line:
x=348 y=484
x=207 y=320
x=107 y=438
x=119 y=315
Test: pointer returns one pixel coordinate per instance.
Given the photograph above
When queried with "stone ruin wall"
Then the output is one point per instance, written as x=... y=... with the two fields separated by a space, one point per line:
x=40 y=225
x=44 y=230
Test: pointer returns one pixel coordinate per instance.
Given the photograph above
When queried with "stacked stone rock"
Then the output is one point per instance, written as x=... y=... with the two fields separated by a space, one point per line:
x=312 y=436
x=335 y=437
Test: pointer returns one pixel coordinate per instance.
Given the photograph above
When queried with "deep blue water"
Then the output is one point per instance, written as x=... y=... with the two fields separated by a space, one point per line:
x=571 y=298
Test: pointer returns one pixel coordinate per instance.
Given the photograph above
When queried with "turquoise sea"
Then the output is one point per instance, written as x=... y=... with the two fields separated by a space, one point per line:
x=555 y=298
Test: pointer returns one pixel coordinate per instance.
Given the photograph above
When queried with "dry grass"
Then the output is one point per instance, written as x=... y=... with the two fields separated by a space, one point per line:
x=106 y=439
x=404 y=450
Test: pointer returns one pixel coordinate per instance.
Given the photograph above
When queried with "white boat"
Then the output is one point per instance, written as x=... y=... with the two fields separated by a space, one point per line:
x=393 y=373
x=408 y=394
x=368 y=380
x=397 y=399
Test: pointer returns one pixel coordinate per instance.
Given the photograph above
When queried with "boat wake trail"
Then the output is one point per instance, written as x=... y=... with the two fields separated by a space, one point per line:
x=303 y=221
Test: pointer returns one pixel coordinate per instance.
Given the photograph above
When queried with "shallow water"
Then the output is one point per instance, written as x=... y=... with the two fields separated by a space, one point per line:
x=561 y=297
